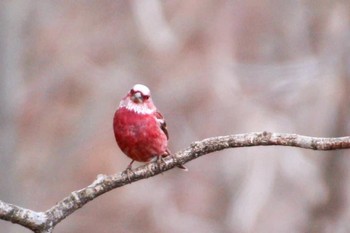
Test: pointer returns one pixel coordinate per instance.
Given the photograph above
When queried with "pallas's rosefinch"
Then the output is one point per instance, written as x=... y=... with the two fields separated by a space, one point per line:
x=139 y=128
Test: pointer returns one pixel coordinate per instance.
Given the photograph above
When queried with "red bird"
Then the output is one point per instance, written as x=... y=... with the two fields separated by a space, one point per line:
x=139 y=129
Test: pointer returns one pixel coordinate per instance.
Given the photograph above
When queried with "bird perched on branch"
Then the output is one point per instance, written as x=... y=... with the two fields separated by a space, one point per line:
x=139 y=128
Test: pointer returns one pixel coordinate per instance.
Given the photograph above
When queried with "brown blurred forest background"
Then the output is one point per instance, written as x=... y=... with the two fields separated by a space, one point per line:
x=215 y=68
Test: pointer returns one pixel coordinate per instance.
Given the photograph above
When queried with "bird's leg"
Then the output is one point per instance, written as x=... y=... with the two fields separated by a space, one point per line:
x=130 y=165
x=128 y=171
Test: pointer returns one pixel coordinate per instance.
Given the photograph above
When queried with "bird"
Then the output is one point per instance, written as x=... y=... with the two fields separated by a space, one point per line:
x=140 y=129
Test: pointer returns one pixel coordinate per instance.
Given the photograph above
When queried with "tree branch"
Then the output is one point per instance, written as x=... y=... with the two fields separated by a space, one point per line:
x=25 y=217
x=46 y=221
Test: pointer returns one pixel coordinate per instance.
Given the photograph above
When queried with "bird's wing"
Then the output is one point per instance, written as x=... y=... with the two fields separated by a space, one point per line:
x=160 y=119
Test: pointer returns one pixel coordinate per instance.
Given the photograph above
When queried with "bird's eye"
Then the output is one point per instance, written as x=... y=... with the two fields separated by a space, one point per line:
x=145 y=97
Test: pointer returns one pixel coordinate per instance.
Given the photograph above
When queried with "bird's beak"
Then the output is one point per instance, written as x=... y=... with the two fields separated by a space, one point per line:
x=137 y=97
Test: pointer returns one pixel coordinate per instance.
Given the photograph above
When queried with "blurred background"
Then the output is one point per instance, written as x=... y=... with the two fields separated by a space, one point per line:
x=214 y=68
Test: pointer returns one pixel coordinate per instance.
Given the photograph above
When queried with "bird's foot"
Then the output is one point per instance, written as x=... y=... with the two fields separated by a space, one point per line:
x=181 y=166
x=161 y=162
x=128 y=171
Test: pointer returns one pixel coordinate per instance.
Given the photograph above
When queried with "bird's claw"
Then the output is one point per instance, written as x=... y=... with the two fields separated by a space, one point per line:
x=181 y=166
x=161 y=162
x=128 y=172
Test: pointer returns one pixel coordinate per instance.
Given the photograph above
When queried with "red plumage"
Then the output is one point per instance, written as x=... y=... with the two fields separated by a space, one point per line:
x=139 y=129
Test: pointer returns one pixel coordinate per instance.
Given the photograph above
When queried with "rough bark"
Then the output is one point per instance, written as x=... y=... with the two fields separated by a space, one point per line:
x=46 y=221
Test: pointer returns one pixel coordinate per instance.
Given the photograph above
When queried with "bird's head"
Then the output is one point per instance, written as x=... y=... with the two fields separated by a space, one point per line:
x=139 y=100
x=139 y=94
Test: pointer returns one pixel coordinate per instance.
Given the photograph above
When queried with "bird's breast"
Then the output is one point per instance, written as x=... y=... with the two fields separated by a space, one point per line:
x=139 y=136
